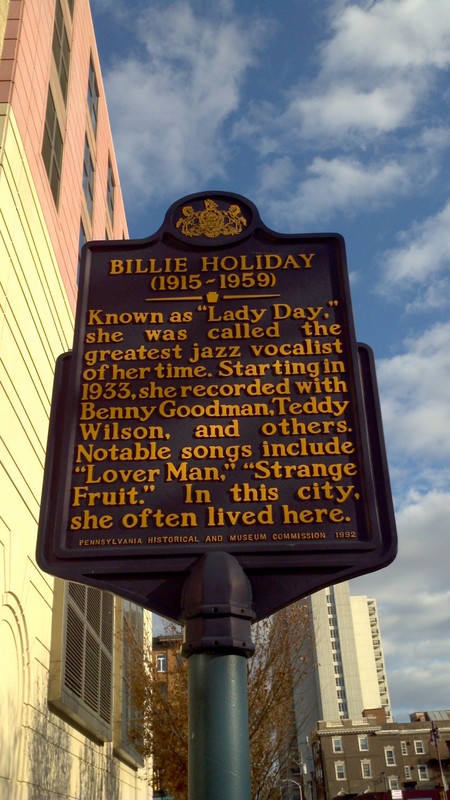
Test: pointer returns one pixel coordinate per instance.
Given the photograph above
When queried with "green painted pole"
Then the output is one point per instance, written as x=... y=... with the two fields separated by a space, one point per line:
x=219 y=760
x=217 y=614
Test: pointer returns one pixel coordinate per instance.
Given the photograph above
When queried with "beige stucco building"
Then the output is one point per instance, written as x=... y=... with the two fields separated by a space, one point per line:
x=66 y=723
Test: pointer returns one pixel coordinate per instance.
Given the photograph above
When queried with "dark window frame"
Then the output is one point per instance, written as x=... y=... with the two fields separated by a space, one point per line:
x=88 y=176
x=93 y=97
x=53 y=147
x=61 y=49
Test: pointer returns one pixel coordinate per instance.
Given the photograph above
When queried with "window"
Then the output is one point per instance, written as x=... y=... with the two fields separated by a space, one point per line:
x=340 y=771
x=61 y=50
x=366 y=769
x=88 y=177
x=408 y=773
x=389 y=755
x=337 y=744
x=419 y=747
x=161 y=662
x=393 y=782
x=422 y=771
x=52 y=147
x=89 y=633
x=93 y=96
x=363 y=742
x=55 y=117
x=81 y=241
x=404 y=748
x=81 y=668
x=110 y=192
x=128 y=730
x=90 y=658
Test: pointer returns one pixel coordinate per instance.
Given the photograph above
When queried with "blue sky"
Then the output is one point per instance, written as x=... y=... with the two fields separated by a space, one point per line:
x=329 y=116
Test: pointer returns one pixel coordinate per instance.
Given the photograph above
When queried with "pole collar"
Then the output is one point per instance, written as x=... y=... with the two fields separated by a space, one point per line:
x=216 y=607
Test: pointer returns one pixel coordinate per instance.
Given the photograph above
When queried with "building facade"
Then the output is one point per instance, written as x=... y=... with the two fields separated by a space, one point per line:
x=366 y=755
x=347 y=672
x=170 y=671
x=68 y=728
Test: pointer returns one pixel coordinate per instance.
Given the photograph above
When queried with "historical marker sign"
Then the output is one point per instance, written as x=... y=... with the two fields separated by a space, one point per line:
x=215 y=398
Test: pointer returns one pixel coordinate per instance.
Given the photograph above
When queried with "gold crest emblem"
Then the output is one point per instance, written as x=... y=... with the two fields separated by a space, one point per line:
x=211 y=221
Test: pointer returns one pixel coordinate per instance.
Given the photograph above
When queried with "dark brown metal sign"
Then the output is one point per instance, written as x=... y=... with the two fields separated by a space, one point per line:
x=214 y=399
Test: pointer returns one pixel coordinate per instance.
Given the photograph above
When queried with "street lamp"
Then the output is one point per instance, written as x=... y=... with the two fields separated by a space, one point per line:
x=291 y=780
x=301 y=772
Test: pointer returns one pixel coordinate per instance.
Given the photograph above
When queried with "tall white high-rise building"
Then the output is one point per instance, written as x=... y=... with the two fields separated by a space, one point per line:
x=346 y=674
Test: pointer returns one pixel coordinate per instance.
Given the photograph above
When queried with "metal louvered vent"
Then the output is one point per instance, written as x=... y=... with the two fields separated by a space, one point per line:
x=88 y=669
x=77 y=593
x=73 y=674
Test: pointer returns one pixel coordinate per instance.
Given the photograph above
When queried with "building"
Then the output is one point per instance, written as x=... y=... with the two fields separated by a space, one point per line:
x=403 y=794
x=347 y=673
x=368 y=754
x=170 y=670
x=68 y=728
x=166 y=654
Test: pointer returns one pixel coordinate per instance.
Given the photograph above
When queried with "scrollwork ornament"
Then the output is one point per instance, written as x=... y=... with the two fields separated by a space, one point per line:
x=211 y=221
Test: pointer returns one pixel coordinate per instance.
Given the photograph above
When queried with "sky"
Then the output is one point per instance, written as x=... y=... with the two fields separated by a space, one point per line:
x=330 y=116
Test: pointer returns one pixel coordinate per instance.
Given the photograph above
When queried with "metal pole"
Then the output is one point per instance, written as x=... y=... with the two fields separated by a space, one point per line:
x=217 y=612
x=290 y=780
x=219 y=760
x=435 y=737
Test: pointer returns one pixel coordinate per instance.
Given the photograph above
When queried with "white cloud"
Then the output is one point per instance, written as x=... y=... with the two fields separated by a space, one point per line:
x=413 y=599
x=415 y=393
x=422 y=260
x=422 y=526
x=374 y=71
x=412 y=593
x=389 y=35
x=334 y=185
x=346 y=110
x=418 y=689
x=174 y=98
x=169 y=103
x=436 y=138
x=423 y=535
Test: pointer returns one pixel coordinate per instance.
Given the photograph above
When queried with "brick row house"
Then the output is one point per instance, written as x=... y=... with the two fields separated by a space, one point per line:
x=366 y=755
